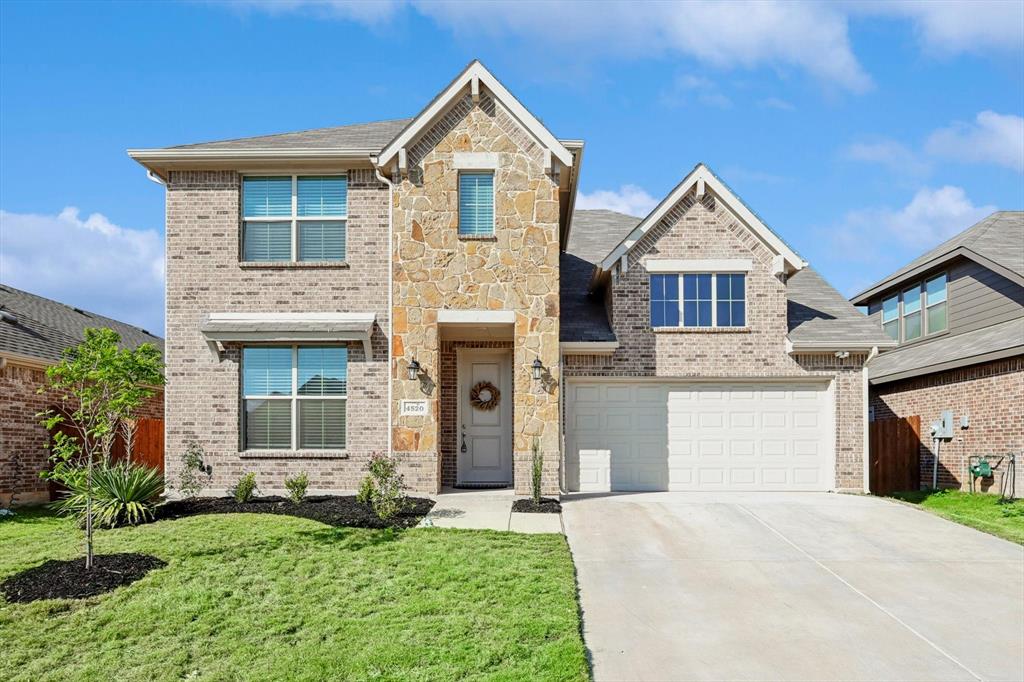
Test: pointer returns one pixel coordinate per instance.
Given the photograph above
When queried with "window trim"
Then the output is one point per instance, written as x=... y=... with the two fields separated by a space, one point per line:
x=714 y=301
x=294 y=397
x=294 y=218
x=493 y=172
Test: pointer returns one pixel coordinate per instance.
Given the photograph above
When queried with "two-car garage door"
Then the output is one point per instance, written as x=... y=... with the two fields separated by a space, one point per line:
x=696 y=436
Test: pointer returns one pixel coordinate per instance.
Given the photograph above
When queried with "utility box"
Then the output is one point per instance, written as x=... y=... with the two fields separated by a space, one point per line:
x=943 y=428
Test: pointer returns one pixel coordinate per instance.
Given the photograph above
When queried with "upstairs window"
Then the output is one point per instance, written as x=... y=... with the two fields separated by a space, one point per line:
x=294 y=218
x=912 y=313
x=935 y=300
x=706 y=300
x=476 y=204
x=891 y=317
x=294 y=397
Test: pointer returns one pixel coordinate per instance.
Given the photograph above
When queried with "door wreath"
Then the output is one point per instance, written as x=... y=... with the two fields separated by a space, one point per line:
x=484 y=396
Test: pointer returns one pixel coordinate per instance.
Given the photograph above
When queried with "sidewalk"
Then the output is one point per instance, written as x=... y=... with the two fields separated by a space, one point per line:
x=487 y=510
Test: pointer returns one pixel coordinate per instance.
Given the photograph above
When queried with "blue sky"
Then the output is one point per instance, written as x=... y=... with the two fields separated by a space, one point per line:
x=862 y=133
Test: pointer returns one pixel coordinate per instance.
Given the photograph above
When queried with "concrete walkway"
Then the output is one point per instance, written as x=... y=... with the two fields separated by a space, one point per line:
x=702 y=586
x=487 y=510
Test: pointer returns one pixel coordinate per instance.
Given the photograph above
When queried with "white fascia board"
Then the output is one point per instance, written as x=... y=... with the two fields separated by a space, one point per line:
x=463 y=81
x=833 y=346
x=702 y=173
x=699 y=265
x=475 y=160
x=588 y=347
x=476 y=317
x=170 y=155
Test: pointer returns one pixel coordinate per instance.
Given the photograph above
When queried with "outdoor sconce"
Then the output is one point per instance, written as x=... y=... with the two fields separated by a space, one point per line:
x=537 y=369
x=414 y=369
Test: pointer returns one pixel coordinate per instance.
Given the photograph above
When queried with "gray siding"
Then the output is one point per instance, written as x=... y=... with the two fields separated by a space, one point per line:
x=978 y=297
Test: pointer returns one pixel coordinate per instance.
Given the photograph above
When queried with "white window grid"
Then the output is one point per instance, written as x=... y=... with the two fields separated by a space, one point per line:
x=295 y=218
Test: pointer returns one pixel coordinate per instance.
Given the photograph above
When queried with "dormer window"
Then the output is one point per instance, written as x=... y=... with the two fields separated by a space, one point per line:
x=917 y=311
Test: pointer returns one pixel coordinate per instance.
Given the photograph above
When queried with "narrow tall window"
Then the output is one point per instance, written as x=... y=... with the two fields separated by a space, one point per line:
x=891 y=317
x=912 y=313
x=476 y=204
x=664 y=300
x=730 y=306
x=300 y=218
x=697 y=300
x=294 y=397
x=935 y=300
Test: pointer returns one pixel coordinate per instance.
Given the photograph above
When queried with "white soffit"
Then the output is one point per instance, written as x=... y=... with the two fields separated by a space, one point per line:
x=475 y=72
x=288 y=327
x=588 y=347
x=703 y=175
x=476 y=317
x=699 y=265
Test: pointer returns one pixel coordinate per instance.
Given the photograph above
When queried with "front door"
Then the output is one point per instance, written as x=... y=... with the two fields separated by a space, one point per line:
x=485 y=417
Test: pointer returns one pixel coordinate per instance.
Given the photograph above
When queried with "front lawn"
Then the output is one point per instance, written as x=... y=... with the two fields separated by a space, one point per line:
x=262 y=597
x=978 y=510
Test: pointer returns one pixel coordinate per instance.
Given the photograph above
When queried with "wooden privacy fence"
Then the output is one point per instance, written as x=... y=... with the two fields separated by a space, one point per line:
x=894 y=460
x=147 y=448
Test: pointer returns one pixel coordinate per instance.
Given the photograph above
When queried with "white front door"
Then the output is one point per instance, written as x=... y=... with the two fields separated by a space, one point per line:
x=484 y=435
x=679 y=436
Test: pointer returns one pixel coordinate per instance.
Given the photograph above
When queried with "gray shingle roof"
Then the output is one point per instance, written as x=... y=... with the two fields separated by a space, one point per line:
x=958 y=350
x=358 y=136
x=594 y=234
x=817 y=313
x=43 y=328
x=998 y=238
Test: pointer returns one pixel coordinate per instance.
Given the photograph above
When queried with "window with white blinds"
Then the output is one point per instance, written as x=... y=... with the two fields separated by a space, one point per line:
x=294 y=218
x=294 y=397
x=476 y=204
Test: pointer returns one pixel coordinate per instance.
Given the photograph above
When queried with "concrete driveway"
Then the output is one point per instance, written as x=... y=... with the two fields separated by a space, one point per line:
x=808 y=586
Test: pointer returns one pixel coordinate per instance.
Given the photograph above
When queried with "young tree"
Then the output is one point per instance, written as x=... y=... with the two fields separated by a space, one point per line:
x=100 y=386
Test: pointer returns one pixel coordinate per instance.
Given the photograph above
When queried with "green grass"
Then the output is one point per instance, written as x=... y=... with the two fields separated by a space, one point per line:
x=260 y=597
x=978 y=510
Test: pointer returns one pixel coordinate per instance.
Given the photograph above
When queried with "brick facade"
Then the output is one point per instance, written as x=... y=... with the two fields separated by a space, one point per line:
x=23 y=440
x=516 y=270
x=703 y=230
x=204 y=274
x=991 y=394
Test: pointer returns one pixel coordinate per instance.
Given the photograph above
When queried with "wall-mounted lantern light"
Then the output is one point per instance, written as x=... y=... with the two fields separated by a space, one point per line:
x=414 y=369
x=537 y=369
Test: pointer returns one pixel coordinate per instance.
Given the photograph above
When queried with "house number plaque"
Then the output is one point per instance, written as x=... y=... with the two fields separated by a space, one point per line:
x=414 y=408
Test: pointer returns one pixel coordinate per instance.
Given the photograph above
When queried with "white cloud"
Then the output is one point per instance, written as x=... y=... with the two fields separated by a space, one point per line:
x=629 y=199
x=931 y=217
x=993 y=138
x=776 y=103
x=896 y=157
x=687 y=87
x=90 y=263
x=957 y=26
x=370 y=12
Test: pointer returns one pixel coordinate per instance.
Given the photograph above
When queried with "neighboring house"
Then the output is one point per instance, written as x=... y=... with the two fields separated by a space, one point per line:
x=435 y=270
x=34 y=331
x=957 y=313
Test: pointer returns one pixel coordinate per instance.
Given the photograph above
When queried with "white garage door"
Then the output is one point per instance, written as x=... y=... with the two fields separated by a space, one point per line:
x=668 y=436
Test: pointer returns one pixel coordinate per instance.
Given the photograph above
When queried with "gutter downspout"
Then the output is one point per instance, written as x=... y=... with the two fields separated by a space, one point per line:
x=867 y=411
x=391 y=293
x=150 y=175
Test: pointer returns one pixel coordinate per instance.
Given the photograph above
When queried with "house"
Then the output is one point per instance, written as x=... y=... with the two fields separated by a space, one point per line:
x=34 y=331
x=957 y=313
x=436 y=271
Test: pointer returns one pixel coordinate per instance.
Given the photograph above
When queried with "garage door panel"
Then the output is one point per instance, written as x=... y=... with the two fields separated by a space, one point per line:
x=691 y=437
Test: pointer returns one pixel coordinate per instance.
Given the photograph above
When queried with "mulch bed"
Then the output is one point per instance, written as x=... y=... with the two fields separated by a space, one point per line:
x=332 y=510
x=546 y=506
x=69 y=580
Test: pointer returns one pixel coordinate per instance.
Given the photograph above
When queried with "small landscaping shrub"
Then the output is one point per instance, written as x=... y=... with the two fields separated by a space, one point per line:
x=123 y=493
x=245 y=489
x=195 y=475
x=388 y=496
x=536 y=471
x=296 y=486
x=366 y=488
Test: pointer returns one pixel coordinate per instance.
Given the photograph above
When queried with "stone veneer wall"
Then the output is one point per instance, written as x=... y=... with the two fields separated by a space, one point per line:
x=992 y=394
x=517 y=269
x=204 y=275
x=707 y=229
x=23 y=440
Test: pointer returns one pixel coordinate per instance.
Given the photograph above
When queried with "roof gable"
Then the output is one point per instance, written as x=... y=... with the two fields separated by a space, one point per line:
x=471 y=78
x=702 y=179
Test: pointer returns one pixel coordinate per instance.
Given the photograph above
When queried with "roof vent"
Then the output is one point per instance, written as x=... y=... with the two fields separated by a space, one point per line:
x=8 y=316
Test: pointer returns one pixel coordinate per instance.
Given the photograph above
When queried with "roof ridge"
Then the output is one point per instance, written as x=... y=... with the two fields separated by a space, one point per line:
x=289 y=132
